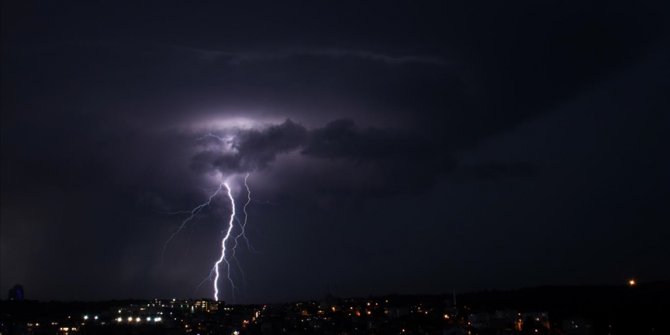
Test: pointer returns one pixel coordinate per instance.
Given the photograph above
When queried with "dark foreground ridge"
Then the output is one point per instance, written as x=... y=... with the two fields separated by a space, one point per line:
x=639 y=309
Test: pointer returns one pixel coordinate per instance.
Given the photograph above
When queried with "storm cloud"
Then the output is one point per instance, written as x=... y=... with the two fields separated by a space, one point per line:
x=430 y=136
x=238 y=58
x=390 y=154
x=238 y=150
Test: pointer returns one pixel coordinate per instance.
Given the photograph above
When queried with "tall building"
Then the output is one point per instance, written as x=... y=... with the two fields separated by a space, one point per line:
x=16 y=293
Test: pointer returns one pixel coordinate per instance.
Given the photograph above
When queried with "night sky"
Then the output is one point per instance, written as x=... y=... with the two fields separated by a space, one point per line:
x=392 y=148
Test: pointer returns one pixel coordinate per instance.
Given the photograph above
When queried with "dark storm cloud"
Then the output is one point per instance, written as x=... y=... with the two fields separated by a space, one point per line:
x=250 y=149
x=495 y=170
x=398 y=160
x=384 y=101
x=343 y=139
x=237 y=58
x=391 y=160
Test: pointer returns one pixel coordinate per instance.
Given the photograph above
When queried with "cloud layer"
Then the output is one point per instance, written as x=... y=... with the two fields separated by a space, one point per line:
x=392 y=156
x=381 y=159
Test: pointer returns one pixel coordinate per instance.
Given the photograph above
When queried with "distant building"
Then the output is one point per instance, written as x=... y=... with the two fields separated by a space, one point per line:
x=16 y=293
x=398 y=312
x=577 y=326
x=510 y=320
x=205 y=305
x=480 y=320
x=536 y=320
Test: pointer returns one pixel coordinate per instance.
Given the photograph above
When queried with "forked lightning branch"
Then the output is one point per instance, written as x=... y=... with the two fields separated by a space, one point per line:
x=222 y=264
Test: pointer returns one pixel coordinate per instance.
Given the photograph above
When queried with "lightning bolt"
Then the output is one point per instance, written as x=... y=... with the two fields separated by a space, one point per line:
x=223 y=259
x=228 y=253
x=192 y=215
x=243 y=226
x=242 y=231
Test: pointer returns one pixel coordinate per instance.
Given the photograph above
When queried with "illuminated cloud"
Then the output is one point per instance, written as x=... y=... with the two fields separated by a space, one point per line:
x=241 y=57
x=236 y=150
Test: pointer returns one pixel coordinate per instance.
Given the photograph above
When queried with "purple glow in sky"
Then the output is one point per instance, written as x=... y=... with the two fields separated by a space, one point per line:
x=493 y=145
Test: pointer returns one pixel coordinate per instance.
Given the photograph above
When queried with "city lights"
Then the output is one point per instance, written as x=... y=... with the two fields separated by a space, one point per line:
x=310 y=317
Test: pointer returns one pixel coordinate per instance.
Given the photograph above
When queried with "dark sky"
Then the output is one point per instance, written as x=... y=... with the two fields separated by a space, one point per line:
x=392 y=148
